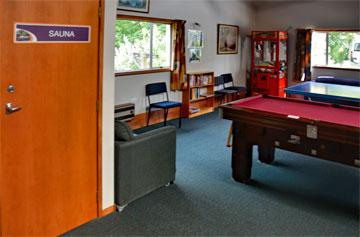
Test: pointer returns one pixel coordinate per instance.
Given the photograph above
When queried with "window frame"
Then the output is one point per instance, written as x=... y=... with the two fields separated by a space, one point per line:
x=153 y=20
x=332 y=67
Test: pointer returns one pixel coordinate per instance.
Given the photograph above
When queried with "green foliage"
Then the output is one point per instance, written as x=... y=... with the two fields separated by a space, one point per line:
x=339 y=46
x=159 y=46
x=132 y=30
x=132 y=45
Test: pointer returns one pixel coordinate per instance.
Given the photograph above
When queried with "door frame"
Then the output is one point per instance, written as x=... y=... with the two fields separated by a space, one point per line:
x=100 y=107
x=1 y=108
x=100 y=211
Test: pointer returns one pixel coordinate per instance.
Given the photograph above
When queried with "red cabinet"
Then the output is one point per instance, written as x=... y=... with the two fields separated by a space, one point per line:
x=269 y=62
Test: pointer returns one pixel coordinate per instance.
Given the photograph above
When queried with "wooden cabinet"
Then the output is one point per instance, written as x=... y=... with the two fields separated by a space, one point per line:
x=269 y=62
x=198 y=94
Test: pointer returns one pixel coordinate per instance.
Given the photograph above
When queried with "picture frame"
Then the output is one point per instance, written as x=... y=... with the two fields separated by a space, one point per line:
x=195 y=55
x=227 y=39
x=134 y=5
x=195 y=39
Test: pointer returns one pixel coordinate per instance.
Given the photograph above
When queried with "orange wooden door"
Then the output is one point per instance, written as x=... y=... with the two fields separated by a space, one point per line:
x=48 y=162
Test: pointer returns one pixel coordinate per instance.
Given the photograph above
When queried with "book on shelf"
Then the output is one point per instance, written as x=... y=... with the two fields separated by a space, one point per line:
x=195 y=93
x=199 y=93
x=192 y=80
x=199 y=80
x=207 y=95
x=202 y=91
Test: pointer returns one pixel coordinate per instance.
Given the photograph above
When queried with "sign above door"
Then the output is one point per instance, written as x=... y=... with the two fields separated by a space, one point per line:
x=51 y=33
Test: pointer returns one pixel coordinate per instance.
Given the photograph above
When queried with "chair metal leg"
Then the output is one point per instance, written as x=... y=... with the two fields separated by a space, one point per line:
x=180 y=117
x=148 y=118
x=165 y=116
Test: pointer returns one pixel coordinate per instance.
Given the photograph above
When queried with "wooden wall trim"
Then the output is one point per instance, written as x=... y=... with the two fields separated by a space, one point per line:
x=336 y=68
x=1 y=103
x=157 y=116
x=108 y=210
x=146 y=71
x=336 y=30
x=100 y=107
x=142 y=18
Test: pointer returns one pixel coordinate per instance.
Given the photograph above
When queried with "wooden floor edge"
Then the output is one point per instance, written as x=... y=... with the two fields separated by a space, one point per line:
x=157 y=116
x=108 y=210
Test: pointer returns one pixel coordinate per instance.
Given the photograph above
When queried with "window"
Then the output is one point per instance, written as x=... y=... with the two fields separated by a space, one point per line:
x=142 y=45
x=336 y=49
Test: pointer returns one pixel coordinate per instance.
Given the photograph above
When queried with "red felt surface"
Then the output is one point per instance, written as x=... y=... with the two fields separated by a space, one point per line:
x=313 y=111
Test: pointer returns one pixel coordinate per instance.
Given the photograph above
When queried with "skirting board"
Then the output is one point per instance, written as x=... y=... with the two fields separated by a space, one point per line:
x=108 y=210
x=157 y=116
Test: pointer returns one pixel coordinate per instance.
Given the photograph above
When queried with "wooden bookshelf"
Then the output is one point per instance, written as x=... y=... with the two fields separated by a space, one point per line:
x=198 y=95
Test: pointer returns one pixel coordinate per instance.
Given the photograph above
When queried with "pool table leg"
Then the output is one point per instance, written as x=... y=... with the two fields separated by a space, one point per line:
x=241 y=162
x=266 y=153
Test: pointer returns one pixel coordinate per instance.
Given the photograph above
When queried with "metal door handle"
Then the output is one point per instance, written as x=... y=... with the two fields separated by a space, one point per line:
x=10 y=109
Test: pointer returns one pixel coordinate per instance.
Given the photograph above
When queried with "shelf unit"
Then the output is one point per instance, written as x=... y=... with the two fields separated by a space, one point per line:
x=269 y=62
x=198 y=94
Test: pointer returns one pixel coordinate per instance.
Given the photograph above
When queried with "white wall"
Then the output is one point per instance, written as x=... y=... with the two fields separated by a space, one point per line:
x=208 y=13
x=325 y=14
x=108 y=106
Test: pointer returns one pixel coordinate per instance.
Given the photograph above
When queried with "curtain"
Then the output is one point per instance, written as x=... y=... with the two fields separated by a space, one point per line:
x=178 y=68
x=302 y=69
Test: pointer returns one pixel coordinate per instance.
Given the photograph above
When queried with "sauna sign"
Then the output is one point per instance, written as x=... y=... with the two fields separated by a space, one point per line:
x=49 y=33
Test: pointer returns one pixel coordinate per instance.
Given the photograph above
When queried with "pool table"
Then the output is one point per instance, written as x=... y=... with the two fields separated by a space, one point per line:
x=321 y=130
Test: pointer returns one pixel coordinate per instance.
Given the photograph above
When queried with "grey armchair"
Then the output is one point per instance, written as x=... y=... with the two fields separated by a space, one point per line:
x=143 y=162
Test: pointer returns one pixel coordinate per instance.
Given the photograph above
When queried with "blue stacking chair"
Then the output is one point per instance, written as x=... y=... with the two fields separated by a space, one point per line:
x=160 y=88
x=222 y=93
x=227 y=79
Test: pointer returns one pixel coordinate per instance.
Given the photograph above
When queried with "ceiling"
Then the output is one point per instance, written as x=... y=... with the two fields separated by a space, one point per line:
x=258 y=4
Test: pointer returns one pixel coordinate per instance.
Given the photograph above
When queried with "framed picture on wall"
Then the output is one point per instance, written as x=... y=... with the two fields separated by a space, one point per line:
x=195 y=39
x=227 y=39
x=195 y=55
x=134 y=5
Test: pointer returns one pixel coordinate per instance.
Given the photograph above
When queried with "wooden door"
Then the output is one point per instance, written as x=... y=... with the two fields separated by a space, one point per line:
x=48 y=162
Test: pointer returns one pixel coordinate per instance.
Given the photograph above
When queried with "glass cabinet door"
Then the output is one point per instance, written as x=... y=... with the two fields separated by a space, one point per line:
x=283 y=58
x=283 y=51
x=265 y=53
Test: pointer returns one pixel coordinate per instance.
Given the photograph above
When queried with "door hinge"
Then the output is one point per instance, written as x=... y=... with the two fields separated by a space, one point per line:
x=100 y=11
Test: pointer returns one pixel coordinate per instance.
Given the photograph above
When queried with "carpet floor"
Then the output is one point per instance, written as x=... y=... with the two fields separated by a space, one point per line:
x=295 y=196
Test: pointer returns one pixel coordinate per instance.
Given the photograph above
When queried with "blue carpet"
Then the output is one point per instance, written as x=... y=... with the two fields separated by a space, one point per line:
x=295 y=196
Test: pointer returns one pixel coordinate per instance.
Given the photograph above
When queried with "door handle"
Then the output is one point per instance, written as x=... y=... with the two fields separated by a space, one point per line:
x=9 y=109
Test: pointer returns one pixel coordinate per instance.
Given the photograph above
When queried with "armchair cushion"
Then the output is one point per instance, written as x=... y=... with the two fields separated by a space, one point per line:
x=123 y=131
